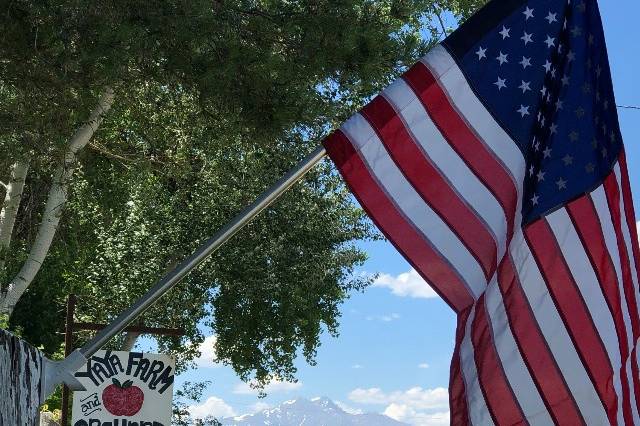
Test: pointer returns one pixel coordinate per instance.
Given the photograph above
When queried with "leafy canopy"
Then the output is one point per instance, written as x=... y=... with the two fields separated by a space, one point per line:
x=215 y=100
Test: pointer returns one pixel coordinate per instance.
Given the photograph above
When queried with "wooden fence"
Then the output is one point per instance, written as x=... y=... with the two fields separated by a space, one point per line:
x=20 y=379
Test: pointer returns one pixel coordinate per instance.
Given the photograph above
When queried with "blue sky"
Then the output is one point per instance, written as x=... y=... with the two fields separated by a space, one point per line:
x=394 y=349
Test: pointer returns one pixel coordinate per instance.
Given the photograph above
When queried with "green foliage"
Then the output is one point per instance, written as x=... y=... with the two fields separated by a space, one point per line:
x=215 y=100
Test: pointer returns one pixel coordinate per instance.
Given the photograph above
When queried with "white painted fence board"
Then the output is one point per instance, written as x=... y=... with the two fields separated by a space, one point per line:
x=20 y=379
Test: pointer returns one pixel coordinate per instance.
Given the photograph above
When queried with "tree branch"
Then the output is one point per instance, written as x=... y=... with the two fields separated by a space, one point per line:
x=56 y=200
x=9 y=210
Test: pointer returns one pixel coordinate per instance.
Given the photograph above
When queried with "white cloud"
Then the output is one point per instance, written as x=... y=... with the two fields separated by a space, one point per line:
x=408 y=284
x=405 y=413
x=207 y=358
x=275 y=386
x=357 y=366
x=417 y=406
x=213 y=406
x=423 y=365
x=384 y=318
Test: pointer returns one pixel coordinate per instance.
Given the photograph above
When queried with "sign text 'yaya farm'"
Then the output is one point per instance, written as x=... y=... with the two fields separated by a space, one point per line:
x=124 y=389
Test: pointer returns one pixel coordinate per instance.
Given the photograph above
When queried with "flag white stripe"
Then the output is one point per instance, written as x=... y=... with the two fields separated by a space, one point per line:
x=601 y=205
x=588 y=284
x=634 y=276
x=462 y=97
x=555 y=333
x=512 y=362
x=478 y=411
x=394 y=183
x=447 y=161
x=627 y=236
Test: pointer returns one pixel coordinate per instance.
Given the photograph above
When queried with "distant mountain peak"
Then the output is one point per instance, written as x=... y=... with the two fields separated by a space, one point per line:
x=320 y=411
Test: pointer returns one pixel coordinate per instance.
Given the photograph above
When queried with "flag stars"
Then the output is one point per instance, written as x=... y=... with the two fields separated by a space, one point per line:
x=571 y=56
x=524 y=110
x=501 y=83
x=565 y=80
x=534 y=200
x=552 y=17
x=532 y=170
x=528 y=13
x=525 y=62
x=554 y=129
x=592 y=40
x=576 y=31
x=568 y=160
x=573 y=136
x=547 y=152
x=586 y=88
x=598 y=70
x=502 y=58
x=604 y=152
x=527 y=38
x=582 y=7
x=547 y=66
x=550 y=42
x=589 y=168
x=482 y=53
x=594 y=143
x=540 y=176
x=562 y=184
x=580 y=112
x=612 y=137
x=525 y=86
x=536 y=148
x=505 y=33
x=559 y=105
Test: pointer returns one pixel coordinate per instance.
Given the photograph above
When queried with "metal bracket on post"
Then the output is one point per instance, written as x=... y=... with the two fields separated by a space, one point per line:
x=55 y=373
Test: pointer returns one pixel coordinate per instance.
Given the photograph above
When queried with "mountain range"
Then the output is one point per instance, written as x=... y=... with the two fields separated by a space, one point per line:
x=314 y=412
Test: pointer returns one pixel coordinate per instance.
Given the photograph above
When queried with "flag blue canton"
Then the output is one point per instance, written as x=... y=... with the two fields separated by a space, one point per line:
x=541 y=69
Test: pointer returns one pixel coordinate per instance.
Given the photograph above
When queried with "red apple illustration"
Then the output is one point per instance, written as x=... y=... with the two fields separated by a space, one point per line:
x=122 y=399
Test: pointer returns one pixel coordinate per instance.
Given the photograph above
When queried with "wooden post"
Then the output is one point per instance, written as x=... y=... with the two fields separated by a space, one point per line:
x=68 y=348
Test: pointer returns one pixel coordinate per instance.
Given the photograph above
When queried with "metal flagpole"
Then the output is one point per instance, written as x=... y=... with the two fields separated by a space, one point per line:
x=58 y=372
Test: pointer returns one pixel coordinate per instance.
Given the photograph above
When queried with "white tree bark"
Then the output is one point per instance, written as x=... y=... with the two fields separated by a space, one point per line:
x=9 y=210
x=56 y=200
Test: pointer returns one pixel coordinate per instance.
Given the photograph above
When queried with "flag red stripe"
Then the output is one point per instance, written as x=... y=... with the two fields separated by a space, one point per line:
x=536 y=354
x=463 y=140
x=630 y=215
x=501 y=401
x=587 y=224
x=430 y=184
x=574 y=312
x=394 y=225
x=457 y=392
x=613 y=199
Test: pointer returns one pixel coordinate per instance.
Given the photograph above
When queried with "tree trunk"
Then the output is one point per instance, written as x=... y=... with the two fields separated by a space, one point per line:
x=55 y=203
x=130 y=340
x=10 y=207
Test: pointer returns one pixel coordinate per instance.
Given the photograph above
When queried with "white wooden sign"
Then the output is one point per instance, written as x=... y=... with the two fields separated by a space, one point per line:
x=124 y=389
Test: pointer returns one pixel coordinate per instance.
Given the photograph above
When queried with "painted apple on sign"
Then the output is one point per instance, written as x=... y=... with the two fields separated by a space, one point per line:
x=124 y=389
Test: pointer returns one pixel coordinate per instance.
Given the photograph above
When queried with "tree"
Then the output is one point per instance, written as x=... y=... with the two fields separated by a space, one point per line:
x=141 y=127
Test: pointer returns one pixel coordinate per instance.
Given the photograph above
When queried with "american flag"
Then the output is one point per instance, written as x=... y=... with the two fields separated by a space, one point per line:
x=496 y=166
